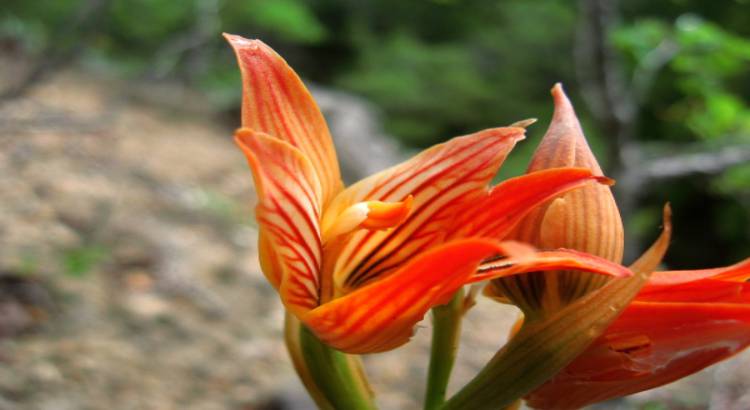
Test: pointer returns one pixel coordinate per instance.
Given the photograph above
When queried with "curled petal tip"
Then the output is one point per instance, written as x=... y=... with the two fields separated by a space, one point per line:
x=667 y=212
x=383 y=215
x=605 y=180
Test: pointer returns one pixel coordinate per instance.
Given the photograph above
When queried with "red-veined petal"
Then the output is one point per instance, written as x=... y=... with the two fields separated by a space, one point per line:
x=288 y=214
x=276 y=102
x=533 y=261
x=441 y=179
x=381 y=316
x=509 y=201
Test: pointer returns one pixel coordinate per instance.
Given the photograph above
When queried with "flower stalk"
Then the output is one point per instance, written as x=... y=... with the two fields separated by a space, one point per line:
x=338 y=377
x=446 y=332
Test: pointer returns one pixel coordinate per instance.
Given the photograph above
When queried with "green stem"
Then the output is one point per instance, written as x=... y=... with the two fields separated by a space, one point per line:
x=542 y=348
x=336 y=374
x=446 y=330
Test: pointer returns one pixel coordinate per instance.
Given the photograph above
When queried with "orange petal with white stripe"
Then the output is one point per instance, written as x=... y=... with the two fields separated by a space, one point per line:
x=381 y=316
x=442 y=180
x=288 y=214
x=276 y=102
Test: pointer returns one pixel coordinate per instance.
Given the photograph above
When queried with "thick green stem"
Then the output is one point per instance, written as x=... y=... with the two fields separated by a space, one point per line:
x=337 y=375
x=446 y=330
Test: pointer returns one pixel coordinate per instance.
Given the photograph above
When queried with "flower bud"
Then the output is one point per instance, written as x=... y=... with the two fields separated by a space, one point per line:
x=586 y=219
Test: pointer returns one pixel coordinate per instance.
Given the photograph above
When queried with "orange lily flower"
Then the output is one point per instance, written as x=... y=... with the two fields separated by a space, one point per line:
x=679 y=322
x=361 y=266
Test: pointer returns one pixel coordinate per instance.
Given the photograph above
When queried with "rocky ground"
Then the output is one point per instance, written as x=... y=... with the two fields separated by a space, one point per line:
x=129 y=270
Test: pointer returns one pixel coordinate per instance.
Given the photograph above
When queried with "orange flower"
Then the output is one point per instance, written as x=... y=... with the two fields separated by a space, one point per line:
x=678 y=323
x=361 y=266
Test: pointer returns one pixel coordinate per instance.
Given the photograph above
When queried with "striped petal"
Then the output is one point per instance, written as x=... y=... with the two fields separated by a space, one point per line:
x=288 y=215
x=382 y=315
x=585 y=219
x=508 y=202
x=526 y=259
x=441 y=180
x=648 y=346
x=276 y=102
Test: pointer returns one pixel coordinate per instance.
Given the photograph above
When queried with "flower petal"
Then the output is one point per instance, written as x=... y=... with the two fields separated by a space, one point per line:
x=288 y=213
x=381 y=316
x=441 y=180
x=725 y=285
x=543 y=261
x=367 y=215
x=276 y=102
x=508 y=202
x=648 y=346
x=739 y=272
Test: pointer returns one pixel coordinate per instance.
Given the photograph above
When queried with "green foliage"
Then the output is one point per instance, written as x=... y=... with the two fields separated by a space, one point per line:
x=422 y=88
x=293 y=20
x=79 y=261
x=708 y=65
x=734 y=180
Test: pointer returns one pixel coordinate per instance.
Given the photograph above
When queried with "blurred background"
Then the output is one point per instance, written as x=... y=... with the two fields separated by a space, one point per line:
x=128 y=268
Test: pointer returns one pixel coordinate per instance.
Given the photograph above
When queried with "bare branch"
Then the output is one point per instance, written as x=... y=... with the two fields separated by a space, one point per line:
x=697 y=163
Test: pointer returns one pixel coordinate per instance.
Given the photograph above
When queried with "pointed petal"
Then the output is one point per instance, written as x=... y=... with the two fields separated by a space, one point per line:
x=288 y=213
x=544 y=261
x=381 y=316
x=739 y=272
x=508 y=202
x=725 y=285
x=648 y=347
x=705 y=290
x=441 y=179
x=276 y=102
